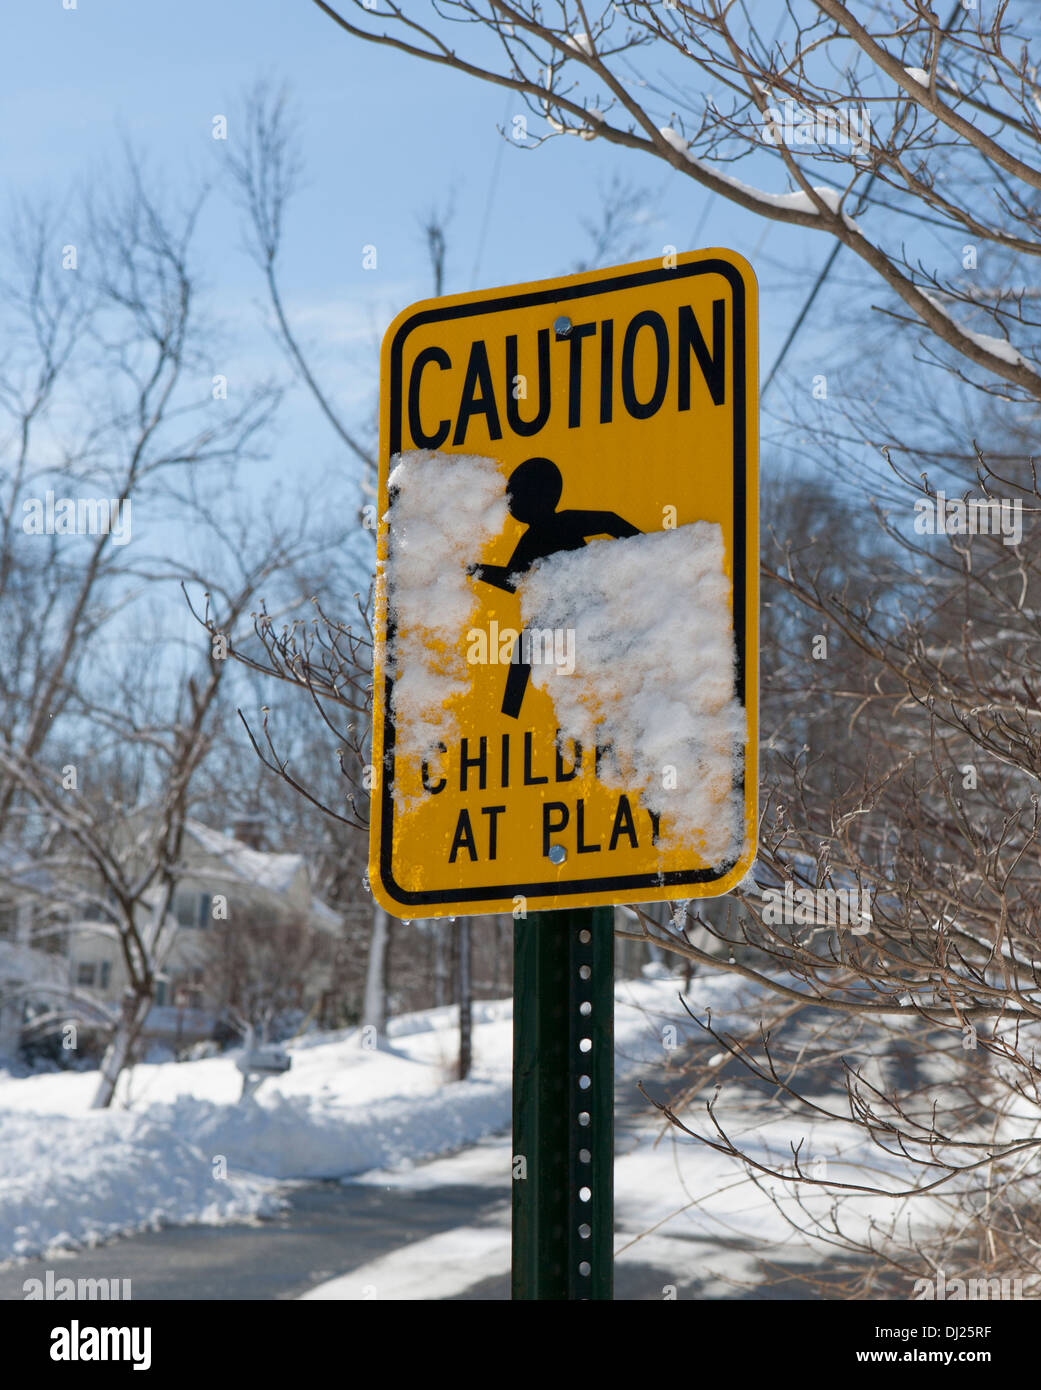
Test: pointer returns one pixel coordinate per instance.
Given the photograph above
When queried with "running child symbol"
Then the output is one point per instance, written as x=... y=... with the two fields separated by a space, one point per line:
x=532 y=493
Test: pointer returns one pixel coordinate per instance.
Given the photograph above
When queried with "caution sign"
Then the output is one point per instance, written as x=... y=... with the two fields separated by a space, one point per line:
x=565 y=693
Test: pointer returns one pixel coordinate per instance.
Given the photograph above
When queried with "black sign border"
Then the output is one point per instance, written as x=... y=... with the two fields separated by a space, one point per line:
x=676 y=877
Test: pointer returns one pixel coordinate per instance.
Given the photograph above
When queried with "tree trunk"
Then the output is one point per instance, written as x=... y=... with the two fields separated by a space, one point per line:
x=374 y=1005
x=440 y=965
x=464 y=980
x=133 y=1014
x=498 y=934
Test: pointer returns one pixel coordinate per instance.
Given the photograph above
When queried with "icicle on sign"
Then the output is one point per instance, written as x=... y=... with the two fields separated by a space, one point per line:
x=566 y=622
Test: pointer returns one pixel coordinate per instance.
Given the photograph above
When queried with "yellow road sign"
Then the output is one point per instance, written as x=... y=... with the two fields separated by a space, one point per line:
x=566 y=671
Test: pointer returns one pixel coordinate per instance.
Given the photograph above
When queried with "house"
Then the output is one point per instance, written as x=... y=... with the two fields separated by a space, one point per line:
x=33 y=972
x=250 y=940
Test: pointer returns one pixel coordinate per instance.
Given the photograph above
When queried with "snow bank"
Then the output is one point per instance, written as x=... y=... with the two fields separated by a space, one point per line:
x=444 y=510
x=71 y=1177
x=706 y=1223
x=306 y=1137
x=68 y=1181
x=654 y=674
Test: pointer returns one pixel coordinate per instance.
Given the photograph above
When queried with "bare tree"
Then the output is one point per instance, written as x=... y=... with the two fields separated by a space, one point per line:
x=103 y=391
x=263 y=968
x=435 y=228
x=265 y=176
x=330 y=659
x=266 y=173
x=110 y=388
x=122 y=866
x=904 y=766
x=896 y=98
x=618 y=232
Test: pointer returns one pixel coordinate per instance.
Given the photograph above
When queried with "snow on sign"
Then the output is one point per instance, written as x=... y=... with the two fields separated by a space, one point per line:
x=566 y=619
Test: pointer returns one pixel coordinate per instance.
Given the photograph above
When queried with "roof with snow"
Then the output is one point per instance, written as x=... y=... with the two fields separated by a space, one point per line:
x=275 y=872
x=281 y=874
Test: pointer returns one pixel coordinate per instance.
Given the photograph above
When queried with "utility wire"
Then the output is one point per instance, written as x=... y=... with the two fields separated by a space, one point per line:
x=801 y=317
x=826 y=269
x=493 y=183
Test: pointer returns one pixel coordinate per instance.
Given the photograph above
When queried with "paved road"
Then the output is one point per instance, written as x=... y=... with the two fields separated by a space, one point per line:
x=332 y=1228
x=327 y=1229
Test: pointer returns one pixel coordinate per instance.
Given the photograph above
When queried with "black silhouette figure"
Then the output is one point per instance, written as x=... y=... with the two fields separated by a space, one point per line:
x=532 y=494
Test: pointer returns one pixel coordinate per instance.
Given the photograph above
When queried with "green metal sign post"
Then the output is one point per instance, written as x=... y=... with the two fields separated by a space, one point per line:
x=563 y=1105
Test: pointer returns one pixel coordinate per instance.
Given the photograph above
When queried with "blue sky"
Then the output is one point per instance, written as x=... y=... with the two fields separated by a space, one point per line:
x=385 y=139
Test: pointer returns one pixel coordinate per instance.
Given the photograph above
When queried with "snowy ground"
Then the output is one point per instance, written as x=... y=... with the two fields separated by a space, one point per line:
x=177 y=1148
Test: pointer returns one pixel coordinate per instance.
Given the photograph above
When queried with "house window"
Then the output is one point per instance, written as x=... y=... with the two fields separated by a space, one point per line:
x=185 y=909
x=160 y=993
x=85 y=972
x=106 y=971
x=192 y=910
